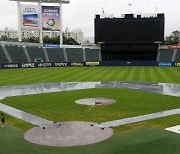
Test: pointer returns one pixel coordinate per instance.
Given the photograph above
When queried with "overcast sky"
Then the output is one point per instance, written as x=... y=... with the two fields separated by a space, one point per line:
x=80 y=13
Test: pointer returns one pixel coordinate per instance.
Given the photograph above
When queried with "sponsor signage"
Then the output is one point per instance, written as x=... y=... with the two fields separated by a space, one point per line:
x=80 y=64
x=71 y=46
x=35 y=65
x=30 y=17
x=177 y=64
x=61 y=64
x=28 y=65
x=51 y=64
x=51 y=45
x=51 y=18
x=175 y=46
x=11 y=65
x=165 y=64
x=92 y=63
x=77 y=64
x=44 y=65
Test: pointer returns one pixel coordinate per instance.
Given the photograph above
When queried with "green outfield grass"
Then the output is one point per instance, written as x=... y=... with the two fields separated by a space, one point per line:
x=135 y=74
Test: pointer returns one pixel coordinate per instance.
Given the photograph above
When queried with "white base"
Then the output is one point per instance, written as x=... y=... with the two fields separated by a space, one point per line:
x=175 y=129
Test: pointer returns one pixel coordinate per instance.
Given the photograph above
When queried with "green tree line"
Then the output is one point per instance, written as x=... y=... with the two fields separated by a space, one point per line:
x=173 y=38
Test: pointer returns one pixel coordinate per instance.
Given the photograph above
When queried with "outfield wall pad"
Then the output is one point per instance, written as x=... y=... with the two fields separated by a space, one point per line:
x=81 y=64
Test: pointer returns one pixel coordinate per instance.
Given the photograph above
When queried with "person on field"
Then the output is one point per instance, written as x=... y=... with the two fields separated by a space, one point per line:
x=2 y=119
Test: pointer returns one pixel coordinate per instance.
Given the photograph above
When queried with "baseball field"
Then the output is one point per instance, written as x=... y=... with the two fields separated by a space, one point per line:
x=142 y=137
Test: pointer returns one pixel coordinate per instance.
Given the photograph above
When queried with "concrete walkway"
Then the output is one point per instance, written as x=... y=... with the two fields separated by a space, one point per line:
x=139 y=118
x=35 y=120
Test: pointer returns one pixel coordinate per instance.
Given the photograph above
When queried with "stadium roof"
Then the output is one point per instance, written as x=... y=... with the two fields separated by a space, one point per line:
x=44 y=1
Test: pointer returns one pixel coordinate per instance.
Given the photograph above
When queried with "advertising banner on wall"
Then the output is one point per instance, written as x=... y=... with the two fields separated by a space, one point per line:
x=175 y=46
x=30 y=17
x=80 y=64
x=51 y=18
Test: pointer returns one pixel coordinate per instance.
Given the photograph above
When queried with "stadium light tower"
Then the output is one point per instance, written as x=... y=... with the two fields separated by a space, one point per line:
x=60 y=2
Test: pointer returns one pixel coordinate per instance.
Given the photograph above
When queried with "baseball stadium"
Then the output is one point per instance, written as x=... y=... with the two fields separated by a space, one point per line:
x=121 y=96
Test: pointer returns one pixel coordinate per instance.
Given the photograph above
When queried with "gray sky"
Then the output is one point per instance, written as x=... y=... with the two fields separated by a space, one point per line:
x=80 y=13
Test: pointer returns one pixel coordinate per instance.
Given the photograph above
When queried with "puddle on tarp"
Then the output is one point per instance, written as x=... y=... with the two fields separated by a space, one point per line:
x=161 y=88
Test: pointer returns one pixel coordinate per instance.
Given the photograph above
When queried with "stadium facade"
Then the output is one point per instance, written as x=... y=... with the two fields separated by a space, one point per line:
x=132 y=40
x=76 y=34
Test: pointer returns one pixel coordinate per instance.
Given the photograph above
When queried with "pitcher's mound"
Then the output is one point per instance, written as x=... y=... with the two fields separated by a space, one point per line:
x=95 y=101
x=68 y=134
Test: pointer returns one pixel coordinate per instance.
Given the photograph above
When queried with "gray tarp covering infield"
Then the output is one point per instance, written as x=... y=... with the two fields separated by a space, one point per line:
x=161 y=88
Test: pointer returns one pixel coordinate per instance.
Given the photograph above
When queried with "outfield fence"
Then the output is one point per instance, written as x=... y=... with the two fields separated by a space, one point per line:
x=82 y=64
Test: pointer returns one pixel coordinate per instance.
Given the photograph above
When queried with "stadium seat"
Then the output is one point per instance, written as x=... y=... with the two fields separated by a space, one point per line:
x=92 y=55
x=55 y=54
x=16 y=53
x=166 y=55
x=74 y=54
x=3 y=58
x=36 y=52
x=177 y=58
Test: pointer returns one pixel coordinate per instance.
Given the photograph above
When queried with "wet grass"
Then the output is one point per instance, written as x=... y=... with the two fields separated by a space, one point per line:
x=134 y=74
x=9 y=120
x=138 y=141
x=135 y=138
x=61 y=106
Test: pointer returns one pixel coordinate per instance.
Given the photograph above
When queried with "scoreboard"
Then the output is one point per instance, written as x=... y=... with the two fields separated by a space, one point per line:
x=129 y=30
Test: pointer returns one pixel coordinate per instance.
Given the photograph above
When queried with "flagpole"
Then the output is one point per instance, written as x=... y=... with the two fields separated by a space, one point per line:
x=129 y=4
x=19 y=21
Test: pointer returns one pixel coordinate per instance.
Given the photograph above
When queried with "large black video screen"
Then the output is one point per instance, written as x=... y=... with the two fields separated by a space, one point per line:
x=122 y=30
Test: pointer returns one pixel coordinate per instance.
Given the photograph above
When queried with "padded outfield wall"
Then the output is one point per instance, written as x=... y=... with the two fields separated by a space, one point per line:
x=86 y=64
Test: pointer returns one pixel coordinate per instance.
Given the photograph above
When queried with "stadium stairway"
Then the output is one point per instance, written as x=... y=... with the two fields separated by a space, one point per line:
x=74 y=54
x=166 y=55
x=177 y=58
x=3 y=58
x=16 y=53
x=56 y=54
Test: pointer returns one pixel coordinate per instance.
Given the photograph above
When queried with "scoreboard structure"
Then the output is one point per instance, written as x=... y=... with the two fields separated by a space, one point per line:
x=130 y=37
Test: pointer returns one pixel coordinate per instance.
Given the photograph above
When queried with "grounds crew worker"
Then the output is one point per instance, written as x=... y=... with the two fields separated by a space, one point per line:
x=2 y=119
